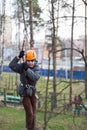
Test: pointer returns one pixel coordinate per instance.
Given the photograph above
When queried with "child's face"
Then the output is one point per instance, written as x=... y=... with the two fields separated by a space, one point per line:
x=30 y=63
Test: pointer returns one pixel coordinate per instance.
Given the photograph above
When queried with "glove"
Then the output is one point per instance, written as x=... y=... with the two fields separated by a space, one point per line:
x=21 y=54
x=25 y=66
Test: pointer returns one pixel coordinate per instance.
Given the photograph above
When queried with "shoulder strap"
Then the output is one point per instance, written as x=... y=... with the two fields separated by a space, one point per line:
x=26 y=77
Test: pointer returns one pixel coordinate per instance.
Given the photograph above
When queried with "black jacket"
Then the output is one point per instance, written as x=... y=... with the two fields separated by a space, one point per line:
x=33 y=74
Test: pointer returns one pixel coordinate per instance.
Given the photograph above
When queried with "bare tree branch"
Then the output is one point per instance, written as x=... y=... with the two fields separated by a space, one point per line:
x=84 y=2
x=81 y=52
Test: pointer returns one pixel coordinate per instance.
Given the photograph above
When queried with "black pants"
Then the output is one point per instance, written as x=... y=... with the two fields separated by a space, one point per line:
x=29 y=104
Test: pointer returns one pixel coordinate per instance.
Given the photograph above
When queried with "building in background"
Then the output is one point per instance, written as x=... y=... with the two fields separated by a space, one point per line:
x=5 y=34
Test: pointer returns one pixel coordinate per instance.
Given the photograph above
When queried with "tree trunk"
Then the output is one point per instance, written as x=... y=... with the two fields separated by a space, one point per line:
x=31 y=23
x=71 y=72
x=54 y=56
x=85 y=50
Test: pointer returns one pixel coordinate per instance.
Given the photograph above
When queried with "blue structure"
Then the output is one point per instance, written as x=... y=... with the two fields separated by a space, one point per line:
x=60 y=73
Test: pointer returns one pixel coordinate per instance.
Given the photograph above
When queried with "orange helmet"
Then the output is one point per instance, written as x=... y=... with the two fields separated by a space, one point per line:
x=30 y=55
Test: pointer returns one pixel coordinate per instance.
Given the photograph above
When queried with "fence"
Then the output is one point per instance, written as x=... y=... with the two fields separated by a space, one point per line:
x=60 y=73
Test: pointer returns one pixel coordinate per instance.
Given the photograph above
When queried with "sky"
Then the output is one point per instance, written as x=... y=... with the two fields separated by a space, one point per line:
x=64 y=25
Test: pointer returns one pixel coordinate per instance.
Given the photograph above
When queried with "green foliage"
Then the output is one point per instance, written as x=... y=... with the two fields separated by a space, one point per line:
x=18 y=13
x=36 y=9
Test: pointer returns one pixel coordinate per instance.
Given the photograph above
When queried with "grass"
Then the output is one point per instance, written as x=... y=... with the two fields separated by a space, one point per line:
x=14 y=118
x=11 y=119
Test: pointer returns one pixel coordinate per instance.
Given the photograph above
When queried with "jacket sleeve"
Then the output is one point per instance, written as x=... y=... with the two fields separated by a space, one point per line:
x=34 y=74
x=15 y=66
